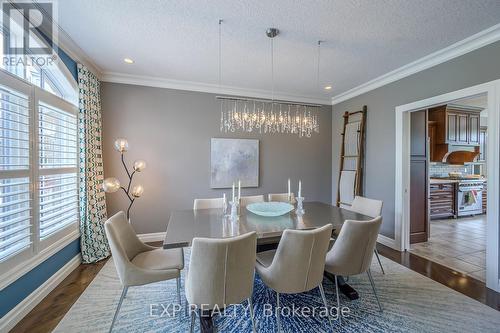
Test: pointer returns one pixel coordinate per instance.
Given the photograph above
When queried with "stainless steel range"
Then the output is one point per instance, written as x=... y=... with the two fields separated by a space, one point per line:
x=470 y=197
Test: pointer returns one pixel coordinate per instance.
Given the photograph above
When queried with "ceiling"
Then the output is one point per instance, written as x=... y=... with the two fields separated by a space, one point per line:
x=178 y=40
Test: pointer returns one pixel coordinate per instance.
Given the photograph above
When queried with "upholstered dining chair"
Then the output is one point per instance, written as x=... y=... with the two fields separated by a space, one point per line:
x=208 y=203
x=221 y=272
x=244 y=201
x=371 y=208
x=297 y=265
x=282 y=197
x=352 y=252
x=138 y=263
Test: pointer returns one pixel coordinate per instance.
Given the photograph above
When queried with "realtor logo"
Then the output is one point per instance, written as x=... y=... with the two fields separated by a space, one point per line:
x=27 y=28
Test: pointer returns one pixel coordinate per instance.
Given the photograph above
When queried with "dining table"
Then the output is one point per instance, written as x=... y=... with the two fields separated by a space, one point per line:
x=185 y=225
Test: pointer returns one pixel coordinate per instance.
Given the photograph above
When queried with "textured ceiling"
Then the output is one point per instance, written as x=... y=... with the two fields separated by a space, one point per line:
x=178 y=39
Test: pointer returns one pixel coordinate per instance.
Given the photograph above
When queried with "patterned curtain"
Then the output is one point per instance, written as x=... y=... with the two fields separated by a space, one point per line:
x=94 y=245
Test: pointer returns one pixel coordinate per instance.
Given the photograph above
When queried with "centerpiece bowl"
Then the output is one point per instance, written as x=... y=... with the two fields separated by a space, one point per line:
x=270 y=208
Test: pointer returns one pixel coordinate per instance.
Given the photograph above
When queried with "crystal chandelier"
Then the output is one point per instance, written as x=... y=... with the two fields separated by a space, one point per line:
x=266 y=116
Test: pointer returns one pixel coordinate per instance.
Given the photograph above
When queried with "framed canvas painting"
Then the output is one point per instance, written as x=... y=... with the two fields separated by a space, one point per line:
x=232 y=160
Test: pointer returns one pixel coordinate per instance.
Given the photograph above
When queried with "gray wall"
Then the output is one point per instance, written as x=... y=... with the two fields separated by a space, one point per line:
x=477 y=67
x=171 y=130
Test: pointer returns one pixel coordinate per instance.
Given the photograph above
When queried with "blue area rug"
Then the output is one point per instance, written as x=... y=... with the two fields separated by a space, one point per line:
x=412 y=303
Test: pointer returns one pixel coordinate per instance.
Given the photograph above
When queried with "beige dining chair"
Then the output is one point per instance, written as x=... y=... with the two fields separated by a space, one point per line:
x=297 y=265
x=138 y=263
x=208 y=203
x=244 y=201
x=221 y=272
x=281 y=197
x=352 y=252
x=371 y=208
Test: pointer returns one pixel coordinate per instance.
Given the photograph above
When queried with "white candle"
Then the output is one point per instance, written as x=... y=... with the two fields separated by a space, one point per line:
x=288 y=187
x=300 y=188
x=233 y=192
x=239 y=189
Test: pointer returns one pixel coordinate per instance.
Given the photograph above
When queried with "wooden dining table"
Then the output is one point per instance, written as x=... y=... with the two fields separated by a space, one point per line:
x=185 y=225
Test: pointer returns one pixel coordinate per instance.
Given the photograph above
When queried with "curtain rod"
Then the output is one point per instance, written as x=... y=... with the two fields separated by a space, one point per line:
x=231 y=98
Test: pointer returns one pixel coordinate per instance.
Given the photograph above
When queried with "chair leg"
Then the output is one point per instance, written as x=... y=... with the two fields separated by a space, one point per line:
x=250 y=305
x=178 y=280
x=278 y=312
x=322 y=292
x=339 y=313
x=374 y=290
x=193 y=317
x=379 y=262
x=124 y=292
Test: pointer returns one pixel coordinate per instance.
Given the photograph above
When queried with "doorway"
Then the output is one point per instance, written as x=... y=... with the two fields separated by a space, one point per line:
x=448 y=185
x=481 y=232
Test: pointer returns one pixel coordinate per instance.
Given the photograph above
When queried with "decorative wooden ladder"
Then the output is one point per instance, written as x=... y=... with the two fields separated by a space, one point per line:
x=350 y=181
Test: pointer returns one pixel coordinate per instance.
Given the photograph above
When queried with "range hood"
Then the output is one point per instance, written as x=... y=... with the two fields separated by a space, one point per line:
x=456 y=154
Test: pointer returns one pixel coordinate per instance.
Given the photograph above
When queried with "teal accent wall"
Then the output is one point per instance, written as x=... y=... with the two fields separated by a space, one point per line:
x=17 y=291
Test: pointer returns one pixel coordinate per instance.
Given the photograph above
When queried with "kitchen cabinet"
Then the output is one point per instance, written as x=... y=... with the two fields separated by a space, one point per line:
x=483 y=139
x=442 y=200
x=457 y=125
x=454 y=133
x=474 y=129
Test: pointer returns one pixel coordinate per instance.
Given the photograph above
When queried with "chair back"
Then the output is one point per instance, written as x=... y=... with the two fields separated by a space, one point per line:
x=365 y=206
x=244 y=201
x=352 y=252
x=299 y=262
x=280 y=197
x=208 y=203
x=221 y=271
x=123 y=242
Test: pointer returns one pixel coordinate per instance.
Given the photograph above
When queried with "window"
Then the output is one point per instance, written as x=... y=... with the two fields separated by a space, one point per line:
x=55 y=79
x=38 y=170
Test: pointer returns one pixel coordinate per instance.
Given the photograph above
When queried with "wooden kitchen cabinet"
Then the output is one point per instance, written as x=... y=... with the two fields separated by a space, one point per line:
x=454 y=133
x=442 y=200
x=483 y=139
x=474 y=129
x=457 y=125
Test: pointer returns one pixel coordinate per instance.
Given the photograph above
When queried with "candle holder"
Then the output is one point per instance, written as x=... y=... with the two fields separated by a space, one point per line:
x=234 y=210
x=300 y=208
x=224 y=206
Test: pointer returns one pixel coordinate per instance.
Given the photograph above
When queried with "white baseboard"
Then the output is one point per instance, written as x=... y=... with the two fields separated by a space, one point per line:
x=22 y=309
x=153 y=237
x=388 y=242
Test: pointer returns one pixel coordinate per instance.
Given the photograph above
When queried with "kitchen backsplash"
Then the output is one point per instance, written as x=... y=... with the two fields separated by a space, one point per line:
x=442 y=169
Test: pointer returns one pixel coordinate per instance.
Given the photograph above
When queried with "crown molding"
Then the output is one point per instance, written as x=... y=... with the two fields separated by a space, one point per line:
x=151 y=81
x=462 y=47
x=69 y=46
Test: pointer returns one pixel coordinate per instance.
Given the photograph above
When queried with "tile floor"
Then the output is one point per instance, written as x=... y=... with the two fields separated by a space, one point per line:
x=458 y=244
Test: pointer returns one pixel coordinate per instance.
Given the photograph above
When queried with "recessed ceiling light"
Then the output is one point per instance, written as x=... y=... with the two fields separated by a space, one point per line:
x=128 y=61
x=328 y=87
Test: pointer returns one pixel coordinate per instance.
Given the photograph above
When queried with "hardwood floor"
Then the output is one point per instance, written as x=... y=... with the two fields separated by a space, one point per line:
x=46 y=315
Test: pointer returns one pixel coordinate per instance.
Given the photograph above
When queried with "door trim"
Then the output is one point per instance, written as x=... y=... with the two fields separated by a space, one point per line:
x=402 y=174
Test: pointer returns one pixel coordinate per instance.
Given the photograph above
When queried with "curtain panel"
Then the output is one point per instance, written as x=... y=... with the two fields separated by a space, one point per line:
x=94 y=244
